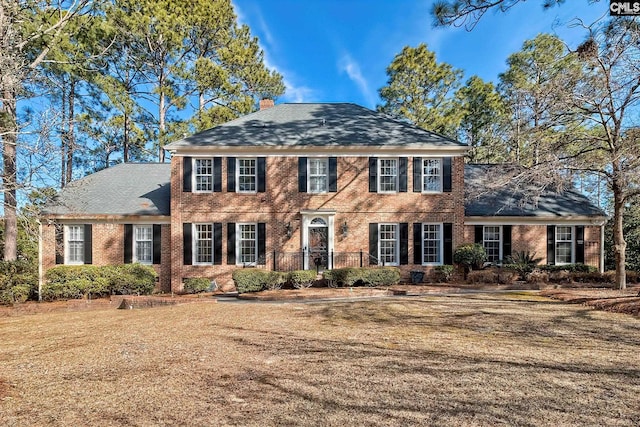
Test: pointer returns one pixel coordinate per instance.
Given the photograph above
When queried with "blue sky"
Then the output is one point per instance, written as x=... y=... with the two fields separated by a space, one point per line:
x=338 y=50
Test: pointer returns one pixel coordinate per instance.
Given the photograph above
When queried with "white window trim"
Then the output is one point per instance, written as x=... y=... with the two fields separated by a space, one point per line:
x=397 y=251
x=379 y=175
x=326 y=162
x=238 y=246
x=194 y=180
x=255 y=175
x=441 y=255
x=194 y=244
x=573 y=245
x=135 y=246
x=500 y=245
x=422 y=175
x=67 y=261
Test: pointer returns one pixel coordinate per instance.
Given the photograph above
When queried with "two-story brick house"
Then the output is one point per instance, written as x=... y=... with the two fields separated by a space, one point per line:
x=300 y=186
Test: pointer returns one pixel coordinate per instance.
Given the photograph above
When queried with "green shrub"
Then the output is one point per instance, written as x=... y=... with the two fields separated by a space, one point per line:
x=367 y=276
x=523 y=262
x=68 y=282
x=443 y=273
x=593 y=277
x=196 y=285
x=300 y=279
x=470 y=256
x=249 y=279
x=330 y=277
x=275 y=280
x=18 y=281
x=571 y=268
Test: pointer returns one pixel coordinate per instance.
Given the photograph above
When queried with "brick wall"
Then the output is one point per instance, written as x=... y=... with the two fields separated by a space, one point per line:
x=282 y=203
x=108 y=248
x=533 y=238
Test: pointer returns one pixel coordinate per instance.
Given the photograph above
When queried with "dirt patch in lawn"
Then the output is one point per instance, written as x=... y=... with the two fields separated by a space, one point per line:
x=486 y=359
x=618 y=301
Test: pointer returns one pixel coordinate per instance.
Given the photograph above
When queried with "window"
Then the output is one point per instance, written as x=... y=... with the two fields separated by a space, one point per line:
x=247 y=243
x=388 y=244
x=432 y=175
x=247 y=175
x=431 y=244
x=318 y=175
x=388 y=175
x=203 y=243
x=564 y=244
x=75 y=244
x=203 y=175
x=491 y=242
x=143 y=244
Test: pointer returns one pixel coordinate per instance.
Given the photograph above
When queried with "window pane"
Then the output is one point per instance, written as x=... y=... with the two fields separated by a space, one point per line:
x=431 y=243
x=564 y=244
x=75 y=243
x=144 y=244
x=204 y=174
x=247 y=175
x=204 y=243
x=388 y=175
x=248 y=243
x=318 y=171
x=388 y=243
x=491 y=242
x=431 y=175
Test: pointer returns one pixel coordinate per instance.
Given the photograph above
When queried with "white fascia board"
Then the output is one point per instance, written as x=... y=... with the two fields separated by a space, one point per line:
x=337 y=151
x=535 y=220
x=108 y=219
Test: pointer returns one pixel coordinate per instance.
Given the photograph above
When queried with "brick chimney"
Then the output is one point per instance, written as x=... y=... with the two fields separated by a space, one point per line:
x=266 y=103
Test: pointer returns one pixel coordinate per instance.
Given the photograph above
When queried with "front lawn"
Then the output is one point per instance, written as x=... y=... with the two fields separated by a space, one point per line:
x=486 y=359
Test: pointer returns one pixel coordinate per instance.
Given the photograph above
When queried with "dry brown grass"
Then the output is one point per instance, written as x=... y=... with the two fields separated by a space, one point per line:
x=492 y=359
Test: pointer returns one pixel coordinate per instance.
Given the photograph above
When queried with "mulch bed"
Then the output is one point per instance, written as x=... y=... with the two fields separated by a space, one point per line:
x=613 y=300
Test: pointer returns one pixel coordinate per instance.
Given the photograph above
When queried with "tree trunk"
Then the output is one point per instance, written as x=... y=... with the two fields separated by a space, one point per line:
x=161 y=119
x=64 y=137
x=8 y=124
x=71 y=138
x=619 y=244
x=125 y=142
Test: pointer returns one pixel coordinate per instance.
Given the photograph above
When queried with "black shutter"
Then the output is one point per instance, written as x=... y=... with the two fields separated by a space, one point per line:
x=506 y=241
x=446 y=174
x=373 y=243
x=262 y=242
x=231 y=174
x=402 y=174
x=333 y=174
x=373 y=175
x=128 y=243
x=478 y=234
x=157 y=243
x=417 y=174
x=217 y=243
x=262 y=174
x=187 y=258
x=217 y=174
x=231 y=243
x=551 y=244
x=404 y=242
x=88 y=244
x=580 y=244
x=448 y=243
x=417 y=243
x=187 y=167
x=59 y=231
x=302 y=174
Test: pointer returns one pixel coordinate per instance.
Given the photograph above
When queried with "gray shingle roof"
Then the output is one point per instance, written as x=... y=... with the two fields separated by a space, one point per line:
x=318 y=125
x=125 y=189
x=507 y=201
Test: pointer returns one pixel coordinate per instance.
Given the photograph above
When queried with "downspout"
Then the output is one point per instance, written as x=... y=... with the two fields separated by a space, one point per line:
x=40 y=261
x=602 y=248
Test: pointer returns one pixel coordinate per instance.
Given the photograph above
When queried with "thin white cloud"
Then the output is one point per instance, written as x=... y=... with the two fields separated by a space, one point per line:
x=348 y=65
x=294 y=92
